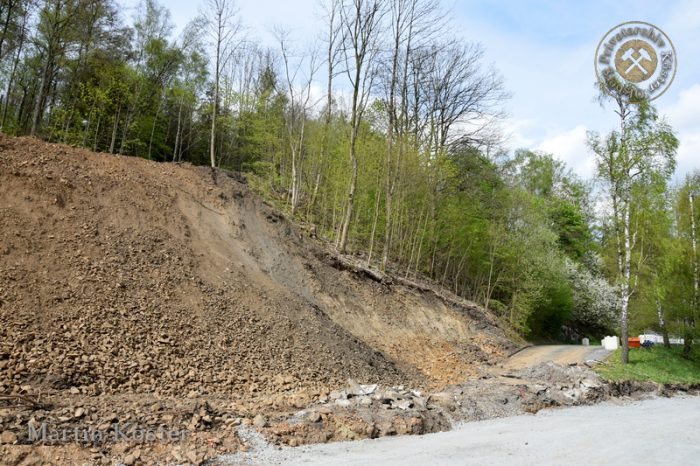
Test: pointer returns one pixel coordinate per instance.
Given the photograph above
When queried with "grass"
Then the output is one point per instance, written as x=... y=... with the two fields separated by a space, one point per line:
x=657 y=364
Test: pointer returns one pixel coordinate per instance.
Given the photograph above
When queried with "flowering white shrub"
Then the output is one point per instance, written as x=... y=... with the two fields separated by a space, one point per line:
x=595 y=300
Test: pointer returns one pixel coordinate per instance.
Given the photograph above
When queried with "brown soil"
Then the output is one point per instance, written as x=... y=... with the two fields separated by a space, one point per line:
x=170 y=295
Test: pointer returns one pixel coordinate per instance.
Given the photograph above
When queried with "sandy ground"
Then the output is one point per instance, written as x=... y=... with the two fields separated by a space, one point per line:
x=560 y=354
x=654 y=431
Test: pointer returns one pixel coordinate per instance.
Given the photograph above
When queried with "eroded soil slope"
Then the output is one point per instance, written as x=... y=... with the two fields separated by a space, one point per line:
x=121 y=277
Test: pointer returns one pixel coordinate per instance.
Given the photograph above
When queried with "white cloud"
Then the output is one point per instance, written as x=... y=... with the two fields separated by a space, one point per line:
x=514 y=132
x=684 y=114
x=684 y=117
x=570 y=147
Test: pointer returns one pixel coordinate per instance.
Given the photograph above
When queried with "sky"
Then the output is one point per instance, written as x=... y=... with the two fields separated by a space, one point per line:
x=544 y=50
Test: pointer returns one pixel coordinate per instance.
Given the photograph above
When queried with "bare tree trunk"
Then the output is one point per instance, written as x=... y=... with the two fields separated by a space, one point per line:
x=623 y=244
x=38 y=112
x=447 y=266
x=690 y=323
x=626 y=282
x=153 y=126
x=342 y=245
x=662 y=322
x=458 y=272
x=86 y=129
x=97 y=132
x=397 y=19
x=294 y=195
x=113 y=142
x=331 y=57
x=492 y=260
x=295 y=117
x=414 y=243
x=222 y=30
x=420 y=246
x=212 y=138
x=178 y=130
x=314 y=192
x=374 y=222
x=125 y=130
x=361 y=27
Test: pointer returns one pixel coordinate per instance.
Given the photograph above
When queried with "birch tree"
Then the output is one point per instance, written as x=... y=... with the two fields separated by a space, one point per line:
x=642 y=148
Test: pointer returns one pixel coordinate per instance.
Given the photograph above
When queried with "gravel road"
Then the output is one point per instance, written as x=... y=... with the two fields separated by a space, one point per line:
x=560 y=354
x=654 y=431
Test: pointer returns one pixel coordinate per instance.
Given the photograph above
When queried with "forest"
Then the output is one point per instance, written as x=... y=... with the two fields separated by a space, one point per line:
x=385 y=137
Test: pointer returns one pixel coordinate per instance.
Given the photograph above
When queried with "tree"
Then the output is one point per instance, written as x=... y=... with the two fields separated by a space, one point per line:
x=412 y=23
x=55 y=31
x=222 y=30
x=152 y=28
x=189 y=84
x=566 y=199
x=15 y=32
x=331 y=38
x=361 y=21
x=628 y=160
x=298 y=93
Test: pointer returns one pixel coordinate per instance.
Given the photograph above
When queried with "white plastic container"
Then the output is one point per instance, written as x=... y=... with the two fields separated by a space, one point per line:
x=611 y=343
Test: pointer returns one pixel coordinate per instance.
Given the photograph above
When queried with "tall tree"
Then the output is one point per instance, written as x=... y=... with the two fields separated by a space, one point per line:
x=55 y=32
x=361 y=22
x=222 y=28
x=19 y=13
x=299 y=73
x=412 y=24
x=643 y=148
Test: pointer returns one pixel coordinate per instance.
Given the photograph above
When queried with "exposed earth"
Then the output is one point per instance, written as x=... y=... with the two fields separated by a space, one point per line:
x=146 y=299
x=655 y=431
x=169 y=295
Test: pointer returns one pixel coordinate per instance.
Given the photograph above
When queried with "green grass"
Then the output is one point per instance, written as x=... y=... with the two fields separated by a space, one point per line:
x=657 y=364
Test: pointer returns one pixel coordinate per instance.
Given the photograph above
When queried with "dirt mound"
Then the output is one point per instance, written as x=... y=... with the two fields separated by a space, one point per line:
x=121 y=276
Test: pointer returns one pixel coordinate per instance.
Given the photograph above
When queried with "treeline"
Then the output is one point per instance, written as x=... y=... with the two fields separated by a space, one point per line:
x=383 y=134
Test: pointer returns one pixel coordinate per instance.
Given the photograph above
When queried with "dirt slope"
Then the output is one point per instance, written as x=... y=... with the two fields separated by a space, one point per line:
x=122 y=276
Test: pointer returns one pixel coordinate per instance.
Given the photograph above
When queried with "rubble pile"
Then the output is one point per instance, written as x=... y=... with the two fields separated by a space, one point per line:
x=127 y=284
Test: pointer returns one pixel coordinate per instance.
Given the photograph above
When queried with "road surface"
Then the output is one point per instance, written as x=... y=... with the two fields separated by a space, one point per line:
x=561 y=354
x=655 y=431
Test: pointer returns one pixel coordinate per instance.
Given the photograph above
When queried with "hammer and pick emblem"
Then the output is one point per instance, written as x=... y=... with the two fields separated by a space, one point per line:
x=642 y=54
x=636 y=60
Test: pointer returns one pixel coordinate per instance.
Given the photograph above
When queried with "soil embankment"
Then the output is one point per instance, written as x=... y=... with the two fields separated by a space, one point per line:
x=170 y=295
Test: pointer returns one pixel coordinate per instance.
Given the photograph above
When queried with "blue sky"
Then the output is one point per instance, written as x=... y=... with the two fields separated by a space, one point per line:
x=544 y=50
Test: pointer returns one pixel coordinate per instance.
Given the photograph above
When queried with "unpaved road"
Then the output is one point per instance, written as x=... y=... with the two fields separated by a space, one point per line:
x=560 y=354
x=654 y=431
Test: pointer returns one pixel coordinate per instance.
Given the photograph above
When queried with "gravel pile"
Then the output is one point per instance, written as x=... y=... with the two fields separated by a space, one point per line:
x=170 y=295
